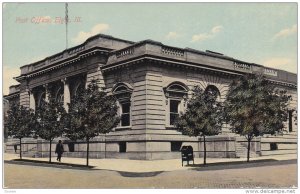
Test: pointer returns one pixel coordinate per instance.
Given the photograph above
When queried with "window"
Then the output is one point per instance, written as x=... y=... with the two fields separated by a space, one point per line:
x=273 y=146
x=125 y=117
x=122 y=92
x=290 y=112
x=122 y=146
x=71 y=146
x=174 y=113
x=41 y=101
x=175 y=146
x=176 y=96
x=213 y=90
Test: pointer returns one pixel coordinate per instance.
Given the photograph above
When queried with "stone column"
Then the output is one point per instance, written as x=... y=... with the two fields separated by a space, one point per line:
x=67 y=95
x=31 y=100
x=46 y=93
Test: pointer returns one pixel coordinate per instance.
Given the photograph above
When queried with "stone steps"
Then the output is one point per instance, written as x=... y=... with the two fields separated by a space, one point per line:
x=241 y=151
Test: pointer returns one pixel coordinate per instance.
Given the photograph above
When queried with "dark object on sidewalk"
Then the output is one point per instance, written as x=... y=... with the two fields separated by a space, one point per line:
x=59 y=150
x=187 y=154
x=16 y=147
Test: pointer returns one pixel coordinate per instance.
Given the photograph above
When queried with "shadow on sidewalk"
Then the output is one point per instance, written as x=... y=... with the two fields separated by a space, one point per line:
x=47 y=164
x=139 y=174
x=240 y=164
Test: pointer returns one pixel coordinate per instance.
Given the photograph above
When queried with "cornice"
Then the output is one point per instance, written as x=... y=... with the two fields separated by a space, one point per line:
x=61 y=64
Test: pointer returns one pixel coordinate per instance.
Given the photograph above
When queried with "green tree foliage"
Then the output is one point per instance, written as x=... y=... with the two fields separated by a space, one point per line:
x=50 y=119
x=203 y=116
x=91 y=112
x=254 y=107
x=20 y=123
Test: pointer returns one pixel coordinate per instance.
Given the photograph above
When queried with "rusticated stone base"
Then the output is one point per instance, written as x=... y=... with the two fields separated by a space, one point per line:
x=135 y=144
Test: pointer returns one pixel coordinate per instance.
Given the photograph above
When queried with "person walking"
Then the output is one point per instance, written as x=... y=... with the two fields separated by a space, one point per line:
x=59 y=150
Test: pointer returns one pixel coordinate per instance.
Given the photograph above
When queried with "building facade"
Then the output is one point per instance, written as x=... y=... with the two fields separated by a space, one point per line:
x=152 y=83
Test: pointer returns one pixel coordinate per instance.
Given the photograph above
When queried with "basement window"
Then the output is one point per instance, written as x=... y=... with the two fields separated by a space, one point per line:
x=122 y=147
x=273 y=146
x=71 y=147
x=175 y=146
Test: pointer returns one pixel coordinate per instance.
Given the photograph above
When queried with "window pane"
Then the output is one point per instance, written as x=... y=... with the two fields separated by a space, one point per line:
x=125 y=121
x=122 y=146
x=126 y=108
x=174 y=106
x=173 y=117
x=176 y=145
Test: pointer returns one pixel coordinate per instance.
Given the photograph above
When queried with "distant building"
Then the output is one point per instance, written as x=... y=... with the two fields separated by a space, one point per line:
x=152 y=83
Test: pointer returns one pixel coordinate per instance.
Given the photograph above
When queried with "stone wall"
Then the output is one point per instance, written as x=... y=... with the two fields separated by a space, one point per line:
x=109 y=147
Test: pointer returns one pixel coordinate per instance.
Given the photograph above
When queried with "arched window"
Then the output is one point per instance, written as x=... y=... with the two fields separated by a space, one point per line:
x=123 y=93
x=59 y=97
x=41 y=99
x=78 y=87
x=176 y=94
x=213 y=90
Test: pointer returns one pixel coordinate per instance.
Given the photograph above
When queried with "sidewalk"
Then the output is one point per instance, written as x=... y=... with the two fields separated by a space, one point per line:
x=127 y=165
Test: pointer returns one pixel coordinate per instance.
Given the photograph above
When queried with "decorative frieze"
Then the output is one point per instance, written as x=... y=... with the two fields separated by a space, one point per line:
x=55 y=58
x=172 y=51
x=76 y=50
x=124 y=52
x=242 y=66
x=271 y=72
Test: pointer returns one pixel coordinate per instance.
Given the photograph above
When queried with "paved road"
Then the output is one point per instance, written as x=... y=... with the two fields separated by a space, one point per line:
x=281 y=174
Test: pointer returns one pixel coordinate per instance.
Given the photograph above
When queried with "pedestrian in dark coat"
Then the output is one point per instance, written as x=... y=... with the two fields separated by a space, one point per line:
x=59 y=150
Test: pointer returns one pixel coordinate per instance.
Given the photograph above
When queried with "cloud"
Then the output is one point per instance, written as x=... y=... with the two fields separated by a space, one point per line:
x=286 y=64
x=216 y=29
x=204 y=36
x=285 y=32
x=8 y=74
x=82 y=36
x=172 y=35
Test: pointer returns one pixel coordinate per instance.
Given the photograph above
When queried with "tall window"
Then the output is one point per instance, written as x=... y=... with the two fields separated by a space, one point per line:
x=41 y=100
x=290 y=115
x=176 y=94
x=174 y=111
x=60 y=96
x=125 y=117
x=123 y=92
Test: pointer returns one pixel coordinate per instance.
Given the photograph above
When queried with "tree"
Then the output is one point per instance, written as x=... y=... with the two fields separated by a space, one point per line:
x=20 y=123
x=254 y=107
x=203 y=116
x=91 y=112
x=50 y=119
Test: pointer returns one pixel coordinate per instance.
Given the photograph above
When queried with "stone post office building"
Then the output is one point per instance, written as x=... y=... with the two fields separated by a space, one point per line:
x=152 y=83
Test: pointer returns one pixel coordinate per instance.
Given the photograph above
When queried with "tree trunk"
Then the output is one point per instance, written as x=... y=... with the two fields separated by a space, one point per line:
x=248 y=149
x=105 y=145
x=50 y=151
x=20 y=148
x=204 y=146
x=87 y=151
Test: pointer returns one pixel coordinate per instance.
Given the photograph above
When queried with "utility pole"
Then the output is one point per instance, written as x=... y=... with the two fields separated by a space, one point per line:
x=67 y=20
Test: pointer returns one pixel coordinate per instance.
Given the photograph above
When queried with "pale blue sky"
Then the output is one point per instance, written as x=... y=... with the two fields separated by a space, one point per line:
x=263 y=33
